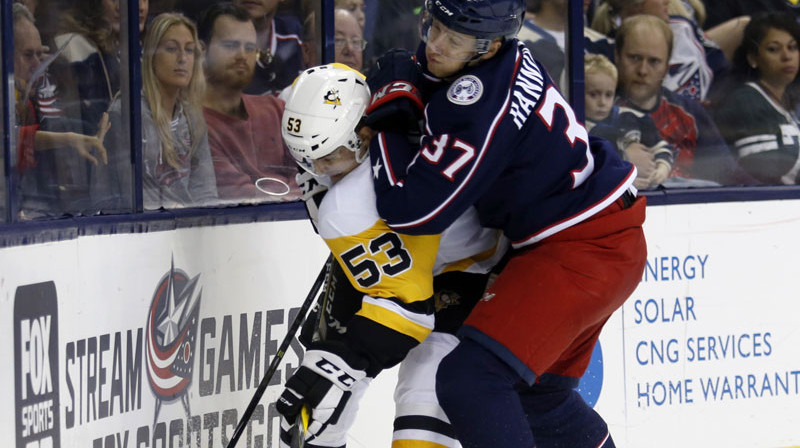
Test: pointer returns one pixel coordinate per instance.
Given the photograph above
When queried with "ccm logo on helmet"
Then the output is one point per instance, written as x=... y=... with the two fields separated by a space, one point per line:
x=443 y=8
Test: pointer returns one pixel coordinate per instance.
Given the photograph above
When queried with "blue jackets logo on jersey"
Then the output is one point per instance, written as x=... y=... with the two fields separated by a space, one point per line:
x=465 y=90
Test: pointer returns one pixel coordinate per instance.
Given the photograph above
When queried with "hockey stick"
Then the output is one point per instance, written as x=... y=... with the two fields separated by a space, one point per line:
x=276 y=360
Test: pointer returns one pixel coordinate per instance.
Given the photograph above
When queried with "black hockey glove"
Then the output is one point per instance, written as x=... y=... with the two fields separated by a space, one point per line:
x=396 y=103
x=329 y=382
x=313 y=192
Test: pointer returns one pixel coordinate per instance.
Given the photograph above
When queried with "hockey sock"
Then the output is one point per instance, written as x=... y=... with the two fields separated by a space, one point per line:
x=559 y=418
x=476 y=390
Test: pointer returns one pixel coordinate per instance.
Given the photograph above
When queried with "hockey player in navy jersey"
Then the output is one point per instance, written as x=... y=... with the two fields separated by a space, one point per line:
x=498 y=135
x=382 y=307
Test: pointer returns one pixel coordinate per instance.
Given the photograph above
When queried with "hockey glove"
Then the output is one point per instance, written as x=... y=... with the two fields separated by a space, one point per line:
x=313 y=192
x=329 y=382
x=396 y=103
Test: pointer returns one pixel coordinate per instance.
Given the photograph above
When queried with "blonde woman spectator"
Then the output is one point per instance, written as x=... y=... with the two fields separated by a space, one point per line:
x=177 y=170
x=177 y=163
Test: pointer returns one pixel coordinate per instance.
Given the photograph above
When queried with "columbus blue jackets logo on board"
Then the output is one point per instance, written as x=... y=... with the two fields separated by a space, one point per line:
x=171 y=329
x=465 y=90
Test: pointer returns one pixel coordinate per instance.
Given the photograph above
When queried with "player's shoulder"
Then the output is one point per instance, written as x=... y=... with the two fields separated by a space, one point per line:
x=481 y=89
x=287 y=26
x=349 y=205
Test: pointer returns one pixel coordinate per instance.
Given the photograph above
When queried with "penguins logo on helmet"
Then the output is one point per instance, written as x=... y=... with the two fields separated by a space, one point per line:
x=332 y=97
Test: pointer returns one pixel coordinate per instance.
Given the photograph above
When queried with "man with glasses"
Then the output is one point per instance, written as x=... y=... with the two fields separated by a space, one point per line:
x=243 y=130
x=349 y=40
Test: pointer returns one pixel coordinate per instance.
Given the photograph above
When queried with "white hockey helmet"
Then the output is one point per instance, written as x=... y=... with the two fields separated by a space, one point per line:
x=322 y=111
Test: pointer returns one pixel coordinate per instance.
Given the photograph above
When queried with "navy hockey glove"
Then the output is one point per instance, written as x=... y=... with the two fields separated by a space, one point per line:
x=396 y=103
x=330 y=382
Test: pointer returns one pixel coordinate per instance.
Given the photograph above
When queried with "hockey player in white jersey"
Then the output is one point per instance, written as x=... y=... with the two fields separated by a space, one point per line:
x=394 y=312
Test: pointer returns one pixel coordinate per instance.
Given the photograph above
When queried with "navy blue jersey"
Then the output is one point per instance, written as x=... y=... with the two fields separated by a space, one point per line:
x=275 y=73
x=502 y=137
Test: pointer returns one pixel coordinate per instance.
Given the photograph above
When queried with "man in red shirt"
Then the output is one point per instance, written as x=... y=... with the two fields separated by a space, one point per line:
x=243 y=130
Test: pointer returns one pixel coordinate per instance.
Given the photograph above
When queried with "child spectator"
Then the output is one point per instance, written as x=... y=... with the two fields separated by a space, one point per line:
x=633 y=133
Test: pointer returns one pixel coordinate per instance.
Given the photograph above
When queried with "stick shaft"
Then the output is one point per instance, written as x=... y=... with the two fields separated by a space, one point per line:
x=276 y=360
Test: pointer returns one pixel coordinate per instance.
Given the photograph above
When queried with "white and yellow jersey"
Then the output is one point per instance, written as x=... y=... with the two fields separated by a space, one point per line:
x=394 y=270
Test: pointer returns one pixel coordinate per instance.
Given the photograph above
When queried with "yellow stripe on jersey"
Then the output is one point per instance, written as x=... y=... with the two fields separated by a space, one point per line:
x=396 y=321
x=382 y=263
x=464 y=264
x=416 y=444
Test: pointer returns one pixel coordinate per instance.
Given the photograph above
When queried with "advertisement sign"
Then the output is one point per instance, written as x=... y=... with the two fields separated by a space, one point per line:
x=160 y=339
x=706 y=352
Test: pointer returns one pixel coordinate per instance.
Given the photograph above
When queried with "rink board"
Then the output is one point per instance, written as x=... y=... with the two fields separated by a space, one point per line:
x=705 y=353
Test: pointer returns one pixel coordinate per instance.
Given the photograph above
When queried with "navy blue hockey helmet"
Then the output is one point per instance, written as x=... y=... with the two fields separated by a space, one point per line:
x=484 y=19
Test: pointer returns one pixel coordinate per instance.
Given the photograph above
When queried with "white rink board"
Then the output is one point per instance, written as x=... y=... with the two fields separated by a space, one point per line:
x=731 y=267
x=691 y=372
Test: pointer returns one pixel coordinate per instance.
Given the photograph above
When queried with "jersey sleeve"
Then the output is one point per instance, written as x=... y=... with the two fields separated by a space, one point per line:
x=422 y=187
x=503 y=138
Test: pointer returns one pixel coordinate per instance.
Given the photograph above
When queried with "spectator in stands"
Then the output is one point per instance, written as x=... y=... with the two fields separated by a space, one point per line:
x=349 y=40
x=643 y=45
x=396 y=26
x=30 y=4
x=633 y=133
x=42 y=125
x=720 y=11
x=543 y=32
x=89 y=43
x=695 y=61
x=177 y=169
x=355 y=7
x=280 y=57
x=309 y=47
x=758 y=118
x=728 y=35
x=87 y=72
x=243 y=130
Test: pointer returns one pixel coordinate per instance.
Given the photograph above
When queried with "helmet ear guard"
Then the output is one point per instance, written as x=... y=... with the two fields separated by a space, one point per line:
x=324 y=107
